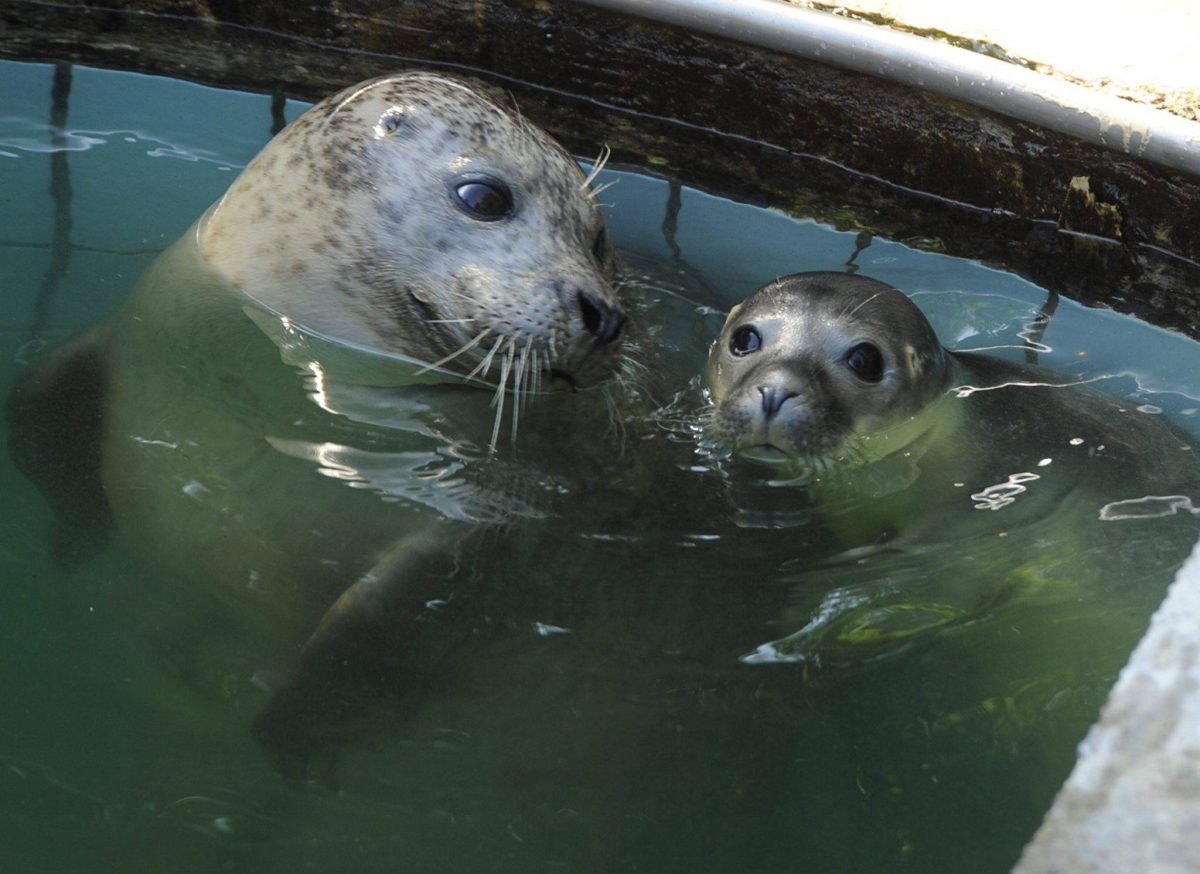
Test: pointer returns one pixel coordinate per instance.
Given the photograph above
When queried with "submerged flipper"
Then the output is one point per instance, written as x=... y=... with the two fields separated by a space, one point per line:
x=55 y=415
x=350 y=660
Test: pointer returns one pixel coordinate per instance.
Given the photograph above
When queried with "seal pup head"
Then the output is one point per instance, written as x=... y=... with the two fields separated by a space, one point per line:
x=411 y=215
x=810 y=366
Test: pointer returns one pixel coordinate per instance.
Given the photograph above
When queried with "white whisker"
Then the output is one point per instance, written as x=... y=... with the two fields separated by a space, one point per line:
x=596 y=192
x=468 y=345
x=616 y=423
x=530 y=355
x=481 y=369
x=862 y=304
x=518 y=385
x=601 y=160
x=536 y=372
x=506 y=361
x=498 y=400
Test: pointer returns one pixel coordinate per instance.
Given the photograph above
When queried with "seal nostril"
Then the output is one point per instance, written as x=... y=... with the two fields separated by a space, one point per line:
x=774 y=398
x=592 y=317
x=602 y=321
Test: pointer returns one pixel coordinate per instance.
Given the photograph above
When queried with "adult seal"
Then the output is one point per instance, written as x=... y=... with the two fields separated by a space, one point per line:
x=399 y=245
x=1013 y=482
x=410 y=213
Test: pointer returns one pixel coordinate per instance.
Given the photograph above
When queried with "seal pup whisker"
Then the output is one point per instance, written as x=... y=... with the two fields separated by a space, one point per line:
x=861 y=305
x=470 y=344
x=616 y=423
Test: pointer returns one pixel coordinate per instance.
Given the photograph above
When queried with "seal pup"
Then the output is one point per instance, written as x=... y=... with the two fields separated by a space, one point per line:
x=287 y=410
x=903 y=447
x=811 y=367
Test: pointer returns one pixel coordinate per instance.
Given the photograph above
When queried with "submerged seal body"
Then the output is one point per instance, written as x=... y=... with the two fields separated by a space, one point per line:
x=952 y=482
x=399 y=245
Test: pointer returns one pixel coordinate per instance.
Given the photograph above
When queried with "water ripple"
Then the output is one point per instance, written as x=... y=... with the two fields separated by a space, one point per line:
x=20 y=136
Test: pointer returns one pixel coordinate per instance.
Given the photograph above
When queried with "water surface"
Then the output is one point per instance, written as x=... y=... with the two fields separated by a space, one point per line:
x=604 y=702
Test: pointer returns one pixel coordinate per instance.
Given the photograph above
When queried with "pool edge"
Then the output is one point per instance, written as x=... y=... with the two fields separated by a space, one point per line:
x=1132 y=801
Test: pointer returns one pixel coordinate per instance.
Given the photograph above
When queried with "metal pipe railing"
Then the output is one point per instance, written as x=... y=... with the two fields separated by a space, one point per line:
x=1132 y=128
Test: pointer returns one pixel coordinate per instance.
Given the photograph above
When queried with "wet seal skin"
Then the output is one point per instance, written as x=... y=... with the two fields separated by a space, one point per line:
x=431 y=242
x=410 y=213
x=1014 y=475
x=809 y=367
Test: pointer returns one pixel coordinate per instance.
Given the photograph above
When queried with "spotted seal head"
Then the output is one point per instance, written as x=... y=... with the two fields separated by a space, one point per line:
x=809 y=365
x=410 y=214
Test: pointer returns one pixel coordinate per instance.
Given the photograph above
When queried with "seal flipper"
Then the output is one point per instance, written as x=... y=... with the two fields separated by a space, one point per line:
x=55 y=427
x=349 y=660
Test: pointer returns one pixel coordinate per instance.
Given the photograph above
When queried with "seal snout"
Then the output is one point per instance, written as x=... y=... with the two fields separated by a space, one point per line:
x=773 y=421
x=773 y=398
x=602 y=321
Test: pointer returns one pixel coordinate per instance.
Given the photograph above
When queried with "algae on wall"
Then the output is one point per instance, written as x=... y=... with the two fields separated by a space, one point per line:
x=855 y=151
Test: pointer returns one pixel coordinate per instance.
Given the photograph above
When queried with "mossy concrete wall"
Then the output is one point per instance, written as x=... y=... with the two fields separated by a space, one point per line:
x=856 y=151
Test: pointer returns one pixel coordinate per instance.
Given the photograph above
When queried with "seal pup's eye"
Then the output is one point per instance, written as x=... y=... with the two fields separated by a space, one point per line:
x=487 y=200
x=866 y=361
x=745 y=340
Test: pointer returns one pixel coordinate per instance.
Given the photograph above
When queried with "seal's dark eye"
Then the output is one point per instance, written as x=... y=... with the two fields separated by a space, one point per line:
x=745 y=340
x=600 y=246
x=866 y=361
x=485 y=199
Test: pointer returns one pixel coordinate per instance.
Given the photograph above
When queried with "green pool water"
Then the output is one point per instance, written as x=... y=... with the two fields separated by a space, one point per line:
x=646 y=680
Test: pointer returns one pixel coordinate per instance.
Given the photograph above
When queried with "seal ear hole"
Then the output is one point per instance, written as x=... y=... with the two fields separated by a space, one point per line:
x=483 y=198
x=745 y=340
x=866 y=362
x=392 y=121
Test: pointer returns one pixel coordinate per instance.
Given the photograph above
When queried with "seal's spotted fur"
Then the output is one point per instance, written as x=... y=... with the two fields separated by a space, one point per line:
x=346 y=224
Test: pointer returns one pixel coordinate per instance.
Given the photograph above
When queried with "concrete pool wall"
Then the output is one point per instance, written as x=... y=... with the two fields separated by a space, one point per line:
x=1133 y=801
x=852 y=149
